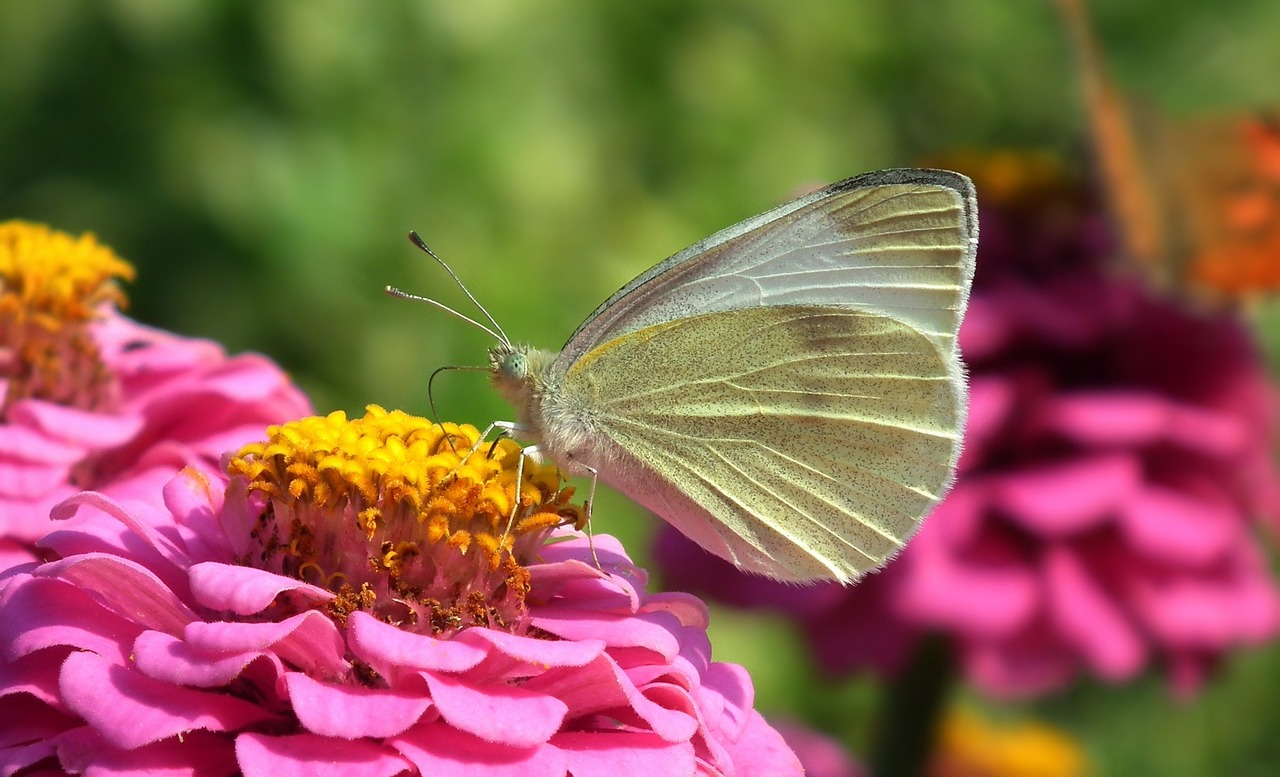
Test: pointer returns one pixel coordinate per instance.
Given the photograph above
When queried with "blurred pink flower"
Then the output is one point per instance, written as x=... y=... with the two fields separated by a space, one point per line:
x=357 y=599
x=93 y=400
x=1117 y=452
x=820 y=755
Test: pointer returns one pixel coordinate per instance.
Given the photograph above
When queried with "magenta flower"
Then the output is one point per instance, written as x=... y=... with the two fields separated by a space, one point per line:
x=92 y=400
x=1117 y=453
x=820 y=755
x=362 y=597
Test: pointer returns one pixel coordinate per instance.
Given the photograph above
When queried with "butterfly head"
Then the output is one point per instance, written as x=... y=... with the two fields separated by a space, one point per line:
x=509 y=363
x=519 y=373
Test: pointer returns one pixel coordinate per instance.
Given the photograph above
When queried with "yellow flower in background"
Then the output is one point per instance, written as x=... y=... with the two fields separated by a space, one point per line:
x=52 y=287
x=970 y=745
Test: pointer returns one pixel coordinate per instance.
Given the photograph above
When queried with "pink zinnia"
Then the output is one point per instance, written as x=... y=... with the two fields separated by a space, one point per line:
x=362 y=597
x=1117 y=453
x=92 y=400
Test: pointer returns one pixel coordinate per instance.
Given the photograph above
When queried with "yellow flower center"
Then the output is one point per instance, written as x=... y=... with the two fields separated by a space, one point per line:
x=52 y=287
x=413 y=521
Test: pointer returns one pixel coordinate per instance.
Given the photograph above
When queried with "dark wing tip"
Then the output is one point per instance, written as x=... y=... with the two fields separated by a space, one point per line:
x=908 y=175
x=922 y=176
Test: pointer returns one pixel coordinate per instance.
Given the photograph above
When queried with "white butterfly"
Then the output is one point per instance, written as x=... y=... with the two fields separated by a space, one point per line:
x=787 y=392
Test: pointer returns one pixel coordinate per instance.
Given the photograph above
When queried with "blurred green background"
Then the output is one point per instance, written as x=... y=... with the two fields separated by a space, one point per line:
x=261 y=162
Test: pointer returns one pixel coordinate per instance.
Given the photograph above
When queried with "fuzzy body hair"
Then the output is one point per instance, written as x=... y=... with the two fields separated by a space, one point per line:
x=562 y=425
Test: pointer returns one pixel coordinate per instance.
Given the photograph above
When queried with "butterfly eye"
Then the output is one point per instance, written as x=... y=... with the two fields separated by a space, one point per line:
x=515 y=365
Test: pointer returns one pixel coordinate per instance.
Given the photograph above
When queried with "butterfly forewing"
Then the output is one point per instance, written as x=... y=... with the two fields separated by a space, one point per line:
x=898 y=242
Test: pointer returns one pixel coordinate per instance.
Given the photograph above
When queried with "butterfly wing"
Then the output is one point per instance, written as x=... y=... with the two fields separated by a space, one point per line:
x=899 y=243
x=798 y=442
x=787 y=392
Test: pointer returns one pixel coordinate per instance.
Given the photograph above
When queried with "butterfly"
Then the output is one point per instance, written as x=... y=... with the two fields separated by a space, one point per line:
x=788 y=392
x=1196 y=201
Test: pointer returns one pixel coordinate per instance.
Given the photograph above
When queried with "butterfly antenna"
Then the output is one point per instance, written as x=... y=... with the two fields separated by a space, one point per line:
x=499 y=335
x=395 y=292
x=431 y=396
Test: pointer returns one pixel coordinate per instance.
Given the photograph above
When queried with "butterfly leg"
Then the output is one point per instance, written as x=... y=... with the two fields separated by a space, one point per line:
x=507 y=427
x=529 y=452
x=590 y=506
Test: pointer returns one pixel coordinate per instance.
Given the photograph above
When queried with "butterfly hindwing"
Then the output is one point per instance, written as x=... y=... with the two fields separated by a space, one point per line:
x=804 y=442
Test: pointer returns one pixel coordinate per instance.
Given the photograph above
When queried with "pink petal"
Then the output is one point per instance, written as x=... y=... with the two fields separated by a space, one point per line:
x=92 y=531
x=145 y=351
x=1031 y=664
x=1174 y=527
x=568 y=574
x=441 y=751
x=140 y=518
x=13 y=760
x=1057 y=500
x=193 y=499
x=1089 y=619
x=991 y=400
x=34 y=675
x=603 y=687
x=123 y=587
x=19 y=443
x=352 y=712
x=309 y=755
x=79 y=748
x=987 y=328
x=1211 y=432
x=497 y=713
x=25 y=484
x=81 y=428
x=821 y=755
x=730 y=687
x=239 y=515
x=37 y=613
x=247 y=591
x=542 y=653
x=1101 y=418
x=578 y=547
x=309 y=641
x=624 y=754
x=1208 y=612
x=762 y=752
x=693 y=662
x=687 y=609
x=391 y=651
x=244 y=377
x=196 y=754
x=987 y=593
x=166 y=658
x=130 y=709
x=650 y=630
x=958 y=519
x=13 y=554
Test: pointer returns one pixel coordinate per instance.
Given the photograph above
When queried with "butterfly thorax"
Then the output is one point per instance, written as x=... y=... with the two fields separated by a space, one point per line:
x=525 y=378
